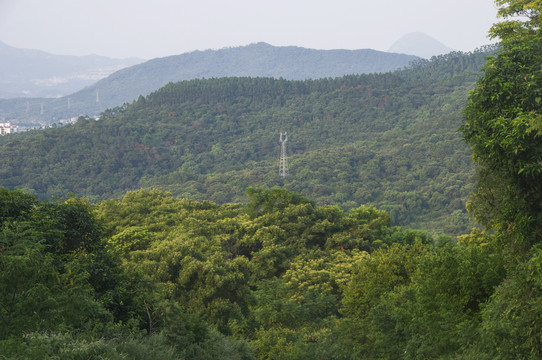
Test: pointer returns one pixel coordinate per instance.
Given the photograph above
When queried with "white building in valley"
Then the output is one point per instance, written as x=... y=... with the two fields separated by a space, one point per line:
x=7 y=128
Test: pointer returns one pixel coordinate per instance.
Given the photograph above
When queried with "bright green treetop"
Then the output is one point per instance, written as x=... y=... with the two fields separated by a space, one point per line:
x=527 y=10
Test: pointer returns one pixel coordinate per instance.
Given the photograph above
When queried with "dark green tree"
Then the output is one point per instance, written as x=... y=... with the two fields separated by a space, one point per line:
x=503 y=127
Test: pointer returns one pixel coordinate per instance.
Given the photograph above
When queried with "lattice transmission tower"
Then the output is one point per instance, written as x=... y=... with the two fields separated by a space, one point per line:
x=283 y=167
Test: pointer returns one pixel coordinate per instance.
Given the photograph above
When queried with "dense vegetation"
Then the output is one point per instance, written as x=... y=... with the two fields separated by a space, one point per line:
x=385 y=139
x=64 y=293
x=255 y=60
x=150 y=276
x=291 y=278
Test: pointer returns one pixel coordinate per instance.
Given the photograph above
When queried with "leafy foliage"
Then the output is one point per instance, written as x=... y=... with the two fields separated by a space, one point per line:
x=44 y=257
x=56 y=280
x=277 y=278
x=273 y=271
x=503 y=127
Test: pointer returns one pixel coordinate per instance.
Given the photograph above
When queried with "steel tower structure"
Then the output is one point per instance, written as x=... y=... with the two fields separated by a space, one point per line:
x=283 y=167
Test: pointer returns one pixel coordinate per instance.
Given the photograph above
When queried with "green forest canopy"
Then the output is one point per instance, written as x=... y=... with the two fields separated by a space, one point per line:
x=389 y=140
x=152 y=276
x=196 y=278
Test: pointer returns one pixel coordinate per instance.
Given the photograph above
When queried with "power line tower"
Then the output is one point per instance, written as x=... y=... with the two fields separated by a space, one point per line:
x=283 y=167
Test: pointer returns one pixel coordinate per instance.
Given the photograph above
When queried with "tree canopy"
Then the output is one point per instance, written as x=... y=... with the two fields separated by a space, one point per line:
x=503 y=125
x=388 y=140
x=279 y=276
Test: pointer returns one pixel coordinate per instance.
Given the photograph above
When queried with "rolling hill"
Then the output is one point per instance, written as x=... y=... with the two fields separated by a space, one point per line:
x=255 y=60
x=385 y=139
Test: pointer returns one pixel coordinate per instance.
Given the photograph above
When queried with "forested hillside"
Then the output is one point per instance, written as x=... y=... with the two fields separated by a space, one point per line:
x=149 y=275
x=255 y=60
x=385 y=139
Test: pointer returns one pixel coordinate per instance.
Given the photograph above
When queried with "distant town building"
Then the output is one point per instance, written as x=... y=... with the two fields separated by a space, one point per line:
x=72 y=120
x=7 y=128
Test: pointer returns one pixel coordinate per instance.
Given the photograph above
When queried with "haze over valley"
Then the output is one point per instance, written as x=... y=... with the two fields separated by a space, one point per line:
x=33 y=73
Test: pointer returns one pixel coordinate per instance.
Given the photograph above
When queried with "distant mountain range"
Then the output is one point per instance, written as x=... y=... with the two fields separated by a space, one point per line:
x=255 y=60
x=35 y=73
x=419 y=44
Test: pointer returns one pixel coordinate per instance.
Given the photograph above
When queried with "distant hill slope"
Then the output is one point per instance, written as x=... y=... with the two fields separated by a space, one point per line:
x=256 y=60
x=385 y=139
x=419 y=44
x=35 y=73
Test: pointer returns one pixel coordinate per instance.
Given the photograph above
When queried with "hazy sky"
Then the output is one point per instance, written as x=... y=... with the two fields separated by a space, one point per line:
x=156 y=28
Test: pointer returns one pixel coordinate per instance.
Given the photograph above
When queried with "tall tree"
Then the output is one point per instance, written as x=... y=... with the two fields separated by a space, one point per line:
x=503 y=126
